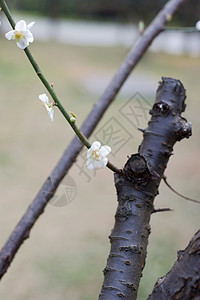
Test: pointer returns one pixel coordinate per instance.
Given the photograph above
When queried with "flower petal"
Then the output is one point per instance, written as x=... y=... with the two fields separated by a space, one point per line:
x=20 y=26
x=104 y=151
x=28 y=36
x=89 y=153
x=96 y=145
x=30 y=25
x=10 y=34
x=102 y=163
x=51 y=113
x=90 y=164
x=44 y=98
x=22 y=44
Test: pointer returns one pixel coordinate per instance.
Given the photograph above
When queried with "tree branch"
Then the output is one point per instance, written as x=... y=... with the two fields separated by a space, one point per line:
x=177 y=193
x=51 y=91
x=137 y=191
x=43 y=79
x=183 y=280
x=36 y=208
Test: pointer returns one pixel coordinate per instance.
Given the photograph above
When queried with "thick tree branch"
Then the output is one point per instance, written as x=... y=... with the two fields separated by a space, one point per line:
x=36 y=208
x=182 y=282
x=137 y=190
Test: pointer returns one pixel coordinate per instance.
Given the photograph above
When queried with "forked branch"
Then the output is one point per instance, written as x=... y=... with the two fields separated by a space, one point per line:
x=36 y=208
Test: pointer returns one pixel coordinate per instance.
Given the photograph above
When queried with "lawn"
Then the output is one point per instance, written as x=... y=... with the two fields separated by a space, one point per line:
x=68 y=247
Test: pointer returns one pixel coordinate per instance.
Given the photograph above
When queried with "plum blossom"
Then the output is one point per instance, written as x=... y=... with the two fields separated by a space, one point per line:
x=96 y=156
x=21 y=34
x=48 y=105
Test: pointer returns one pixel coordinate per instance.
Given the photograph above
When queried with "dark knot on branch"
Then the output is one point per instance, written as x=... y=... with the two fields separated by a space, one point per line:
x=136 y=170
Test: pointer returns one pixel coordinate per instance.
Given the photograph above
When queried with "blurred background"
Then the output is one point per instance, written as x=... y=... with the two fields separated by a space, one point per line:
x=79 y=45
x=104 y=10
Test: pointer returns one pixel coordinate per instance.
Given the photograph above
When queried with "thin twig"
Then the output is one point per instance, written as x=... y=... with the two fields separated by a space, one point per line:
x=51 y=91
x=36 y=208
x=161 y=210
x=177 y=193
x=44 y=80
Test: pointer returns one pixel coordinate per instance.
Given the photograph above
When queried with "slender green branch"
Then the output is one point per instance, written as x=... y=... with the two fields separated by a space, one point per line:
x=114 y=169
x=49 y=88
x=6 y=11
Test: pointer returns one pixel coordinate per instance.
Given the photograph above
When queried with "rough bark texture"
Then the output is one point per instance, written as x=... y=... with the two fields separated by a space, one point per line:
x=137 y=190
x=36 y=208
x=182 y=282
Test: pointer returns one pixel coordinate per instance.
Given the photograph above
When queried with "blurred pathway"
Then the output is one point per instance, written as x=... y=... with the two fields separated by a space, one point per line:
x=108 y=34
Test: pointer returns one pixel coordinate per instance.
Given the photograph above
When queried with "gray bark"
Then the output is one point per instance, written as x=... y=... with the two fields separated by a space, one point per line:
x=137 y=189
x=182 y=282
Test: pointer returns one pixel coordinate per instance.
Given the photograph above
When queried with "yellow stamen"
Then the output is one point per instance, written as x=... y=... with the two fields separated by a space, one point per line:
x=95 y=155
x=18 y=35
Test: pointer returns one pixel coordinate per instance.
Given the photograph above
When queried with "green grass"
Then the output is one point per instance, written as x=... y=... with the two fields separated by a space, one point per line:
x=68 y=247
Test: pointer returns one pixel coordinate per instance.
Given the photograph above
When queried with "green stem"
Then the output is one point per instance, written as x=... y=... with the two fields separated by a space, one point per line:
x=6 y=11
x=47 y=85
x=49 y=88
x=114 y=169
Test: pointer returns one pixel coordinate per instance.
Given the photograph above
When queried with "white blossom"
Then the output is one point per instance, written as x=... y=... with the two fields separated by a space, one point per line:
x=48 y=105
x=96 y=156
x=21 y=34
x=198 y=25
